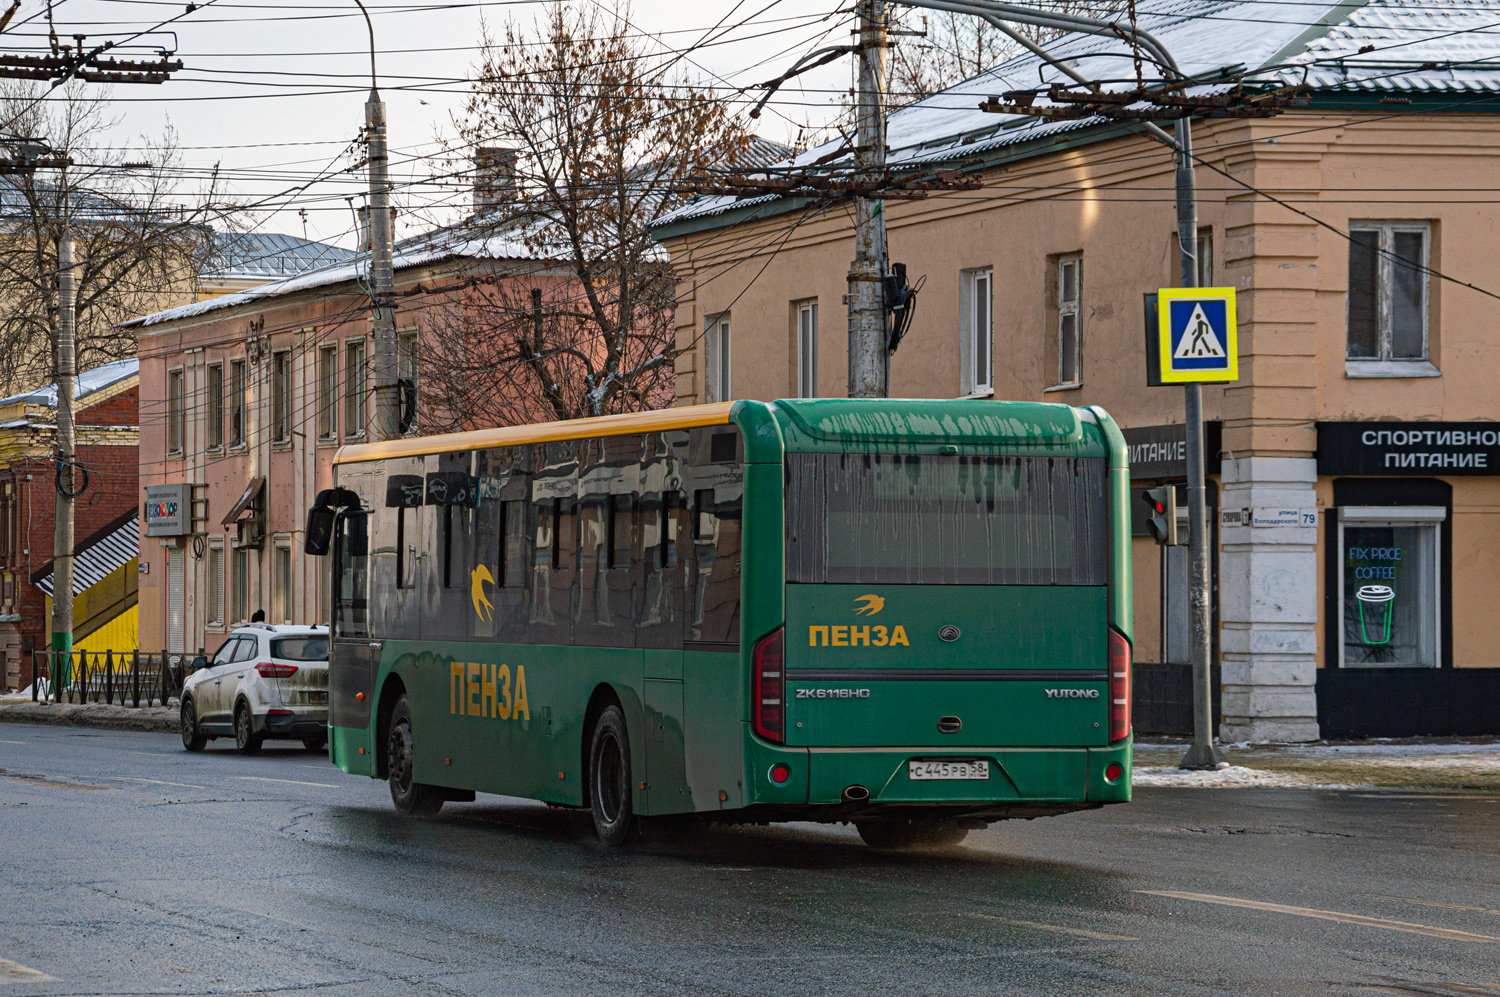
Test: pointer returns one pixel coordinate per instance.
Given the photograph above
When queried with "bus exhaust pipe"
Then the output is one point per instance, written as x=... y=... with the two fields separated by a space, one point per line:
x=856 y=794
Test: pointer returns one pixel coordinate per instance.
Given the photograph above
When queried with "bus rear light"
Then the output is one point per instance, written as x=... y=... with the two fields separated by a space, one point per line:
x=768 y=687
x=1113 y=771
x=780 y=774
x=270 y=671
x=1119 y=687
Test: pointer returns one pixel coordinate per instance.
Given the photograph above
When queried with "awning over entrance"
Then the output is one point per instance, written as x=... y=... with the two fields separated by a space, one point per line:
x=252 y=492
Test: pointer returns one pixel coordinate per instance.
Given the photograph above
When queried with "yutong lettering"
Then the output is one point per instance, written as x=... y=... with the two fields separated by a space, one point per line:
x=1072 y=693
x=476 y=689
x=851 y=636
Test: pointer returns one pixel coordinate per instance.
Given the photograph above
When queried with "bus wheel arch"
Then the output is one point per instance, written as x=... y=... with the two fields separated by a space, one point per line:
x=393 y=690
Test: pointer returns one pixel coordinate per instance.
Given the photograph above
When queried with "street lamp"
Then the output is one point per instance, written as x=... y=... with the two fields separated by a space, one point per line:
x=1204 y=753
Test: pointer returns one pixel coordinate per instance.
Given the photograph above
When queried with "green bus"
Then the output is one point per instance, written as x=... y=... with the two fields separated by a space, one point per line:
x=911 y=615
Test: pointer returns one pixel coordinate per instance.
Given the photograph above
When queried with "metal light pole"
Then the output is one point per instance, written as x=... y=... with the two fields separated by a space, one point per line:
x=387 y=421
x=1204 y=753
x=868 y=358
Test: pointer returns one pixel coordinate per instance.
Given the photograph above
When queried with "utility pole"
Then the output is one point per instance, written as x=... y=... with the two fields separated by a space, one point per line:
x=387 y=421
x=66 y=363
x=868 y=357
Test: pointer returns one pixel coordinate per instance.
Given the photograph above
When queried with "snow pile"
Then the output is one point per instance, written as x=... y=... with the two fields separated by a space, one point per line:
x=1233 y=777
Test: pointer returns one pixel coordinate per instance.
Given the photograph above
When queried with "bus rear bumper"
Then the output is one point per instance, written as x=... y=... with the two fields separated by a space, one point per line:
x=843 y=776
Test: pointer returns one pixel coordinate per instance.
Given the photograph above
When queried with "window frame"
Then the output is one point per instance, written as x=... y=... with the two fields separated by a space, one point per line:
x=239 y=402
x=718 y=358
x=1066 y=308
x=328 y=394
x=1410 y=515
x=406 y=366
x=283 y=578
x=976 y=379
x=218 y=601
x=1384 y=363
x=281 y=396
x=176 y=411
x=240 y=581
x=214 y=400
x=805 y=338
x=356 y=400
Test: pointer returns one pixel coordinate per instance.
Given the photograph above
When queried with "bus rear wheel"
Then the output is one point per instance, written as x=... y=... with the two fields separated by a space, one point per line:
x=895 y=835
x=610 y=797
x=410 y=796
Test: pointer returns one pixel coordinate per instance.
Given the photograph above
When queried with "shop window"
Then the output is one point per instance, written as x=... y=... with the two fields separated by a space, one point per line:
x=1389 y=585
x=1387 y=297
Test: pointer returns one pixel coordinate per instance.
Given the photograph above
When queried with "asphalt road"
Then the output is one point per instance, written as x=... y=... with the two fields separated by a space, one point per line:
x=130 y=867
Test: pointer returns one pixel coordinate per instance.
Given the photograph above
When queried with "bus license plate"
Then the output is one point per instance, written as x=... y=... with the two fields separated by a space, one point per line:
x=947 y=770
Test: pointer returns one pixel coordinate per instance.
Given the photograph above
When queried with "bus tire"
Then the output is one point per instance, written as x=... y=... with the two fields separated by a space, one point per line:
x=896 y=835
x=610 y=797
x=409 y=796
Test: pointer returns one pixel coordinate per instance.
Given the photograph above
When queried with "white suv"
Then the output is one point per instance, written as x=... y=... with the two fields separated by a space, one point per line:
x=263 y=682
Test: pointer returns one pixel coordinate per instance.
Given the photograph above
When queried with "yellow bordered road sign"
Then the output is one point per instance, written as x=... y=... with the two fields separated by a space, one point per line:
x=1196 y=334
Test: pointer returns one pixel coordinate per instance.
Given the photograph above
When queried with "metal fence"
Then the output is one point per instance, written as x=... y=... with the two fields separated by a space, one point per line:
x=132 y=679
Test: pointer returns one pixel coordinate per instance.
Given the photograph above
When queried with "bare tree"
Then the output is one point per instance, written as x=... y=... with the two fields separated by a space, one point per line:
x=139 y=236
x=581 y=135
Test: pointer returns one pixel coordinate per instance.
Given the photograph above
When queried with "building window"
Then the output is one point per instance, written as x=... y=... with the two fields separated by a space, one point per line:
x=406 y=370
x=806 y=333
x=976 y=331
x=281 y=397
x=214 y=399
x=216 y=583
x=1069 y=286
x=176 y=416
x=1205 y=260
x=328 y=393
x=717 y=359
x=1389 y=585
x=1387 y=307
x=239 y=589
x=281 y=581
x=354 y=388
x=238 y=389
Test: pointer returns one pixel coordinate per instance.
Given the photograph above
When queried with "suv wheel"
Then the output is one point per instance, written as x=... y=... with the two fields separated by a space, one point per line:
x=245 y=737
x=192 y=738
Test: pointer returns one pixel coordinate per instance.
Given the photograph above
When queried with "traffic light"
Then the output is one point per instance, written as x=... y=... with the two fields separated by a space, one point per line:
x=1163 y=518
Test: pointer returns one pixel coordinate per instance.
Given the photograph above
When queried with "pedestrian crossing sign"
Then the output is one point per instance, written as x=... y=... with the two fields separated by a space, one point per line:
x=1196 y=334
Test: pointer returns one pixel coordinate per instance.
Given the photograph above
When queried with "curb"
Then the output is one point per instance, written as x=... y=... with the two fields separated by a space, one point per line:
x=156 y=719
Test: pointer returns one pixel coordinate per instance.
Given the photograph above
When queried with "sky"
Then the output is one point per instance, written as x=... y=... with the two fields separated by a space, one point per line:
x=273 y=92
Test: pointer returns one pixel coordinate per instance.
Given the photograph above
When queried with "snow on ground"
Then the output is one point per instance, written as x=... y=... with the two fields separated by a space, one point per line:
x=1233 y=777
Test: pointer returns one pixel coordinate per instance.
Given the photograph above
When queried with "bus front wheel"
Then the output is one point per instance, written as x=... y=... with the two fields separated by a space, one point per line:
x=891 y=835
x=610 y=797
x=410 y=796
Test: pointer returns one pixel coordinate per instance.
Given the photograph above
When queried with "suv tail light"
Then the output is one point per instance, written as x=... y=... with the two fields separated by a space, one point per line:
x=270 y=671
x=768 y=687
x=1119 y=687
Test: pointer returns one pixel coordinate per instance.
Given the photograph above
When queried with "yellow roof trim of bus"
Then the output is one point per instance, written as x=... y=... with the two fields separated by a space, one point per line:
x=659 y=421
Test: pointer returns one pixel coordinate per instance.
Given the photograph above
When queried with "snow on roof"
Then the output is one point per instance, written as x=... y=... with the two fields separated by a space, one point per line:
x=469 y=240
x=252 y=255
x=1205 y=37
x=88 y=382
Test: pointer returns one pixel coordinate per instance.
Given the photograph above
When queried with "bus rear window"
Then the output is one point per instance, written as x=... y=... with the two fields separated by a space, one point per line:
x=902 y=519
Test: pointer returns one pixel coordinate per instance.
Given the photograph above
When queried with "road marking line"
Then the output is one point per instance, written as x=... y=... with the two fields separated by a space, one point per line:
x=290 y=782
x=158 y=782
x=15 y=742
x=1326 y=915
x=157 y=754
x=1081 y=932
x=1431 y=903
x=14 y=972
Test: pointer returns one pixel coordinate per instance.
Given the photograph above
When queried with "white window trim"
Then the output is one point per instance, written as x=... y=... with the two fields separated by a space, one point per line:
x=1404 y=367
x=222 y=582
x=237 y=377
x=344 y=380
x=1383 y=515
x=177 y=420
x=335 y=401
x=807 y=379
x=1076 y=311
x=283 y=542
x=718 y=358
x=970 y=384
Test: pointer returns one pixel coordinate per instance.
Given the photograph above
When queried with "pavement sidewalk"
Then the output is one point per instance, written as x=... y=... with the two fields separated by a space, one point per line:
x=1416 y=764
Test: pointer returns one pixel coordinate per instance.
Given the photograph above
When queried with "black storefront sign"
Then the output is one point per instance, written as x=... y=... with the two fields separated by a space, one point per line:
x=1161 y=451
x=1416 y=449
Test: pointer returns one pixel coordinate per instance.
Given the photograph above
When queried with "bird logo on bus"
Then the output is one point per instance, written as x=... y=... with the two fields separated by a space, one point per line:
x=868 y=605
x=482 y=605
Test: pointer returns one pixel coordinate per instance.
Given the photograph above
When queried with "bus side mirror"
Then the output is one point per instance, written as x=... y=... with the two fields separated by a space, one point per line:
x=319 y=535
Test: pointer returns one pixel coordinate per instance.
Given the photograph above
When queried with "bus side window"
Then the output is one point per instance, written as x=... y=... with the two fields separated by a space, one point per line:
x=445 y=527
x=703 y=514
x=403 y=569
x=671 y=516
x=621 y=530
x=352 y=576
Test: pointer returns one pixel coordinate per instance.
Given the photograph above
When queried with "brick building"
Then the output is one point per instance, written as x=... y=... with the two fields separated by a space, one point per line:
x=108 y=450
